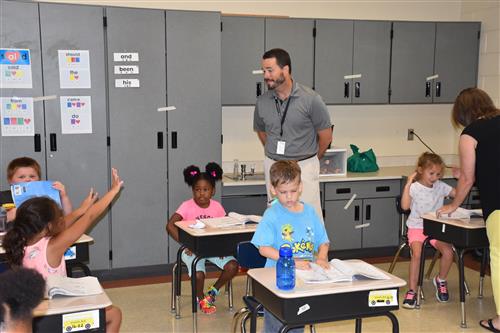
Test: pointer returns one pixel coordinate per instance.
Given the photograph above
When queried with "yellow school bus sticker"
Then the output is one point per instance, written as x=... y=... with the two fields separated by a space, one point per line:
x=383 y=298
x=80 y=321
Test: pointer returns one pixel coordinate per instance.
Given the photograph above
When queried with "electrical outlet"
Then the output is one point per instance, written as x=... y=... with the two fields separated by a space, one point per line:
x=410 y=134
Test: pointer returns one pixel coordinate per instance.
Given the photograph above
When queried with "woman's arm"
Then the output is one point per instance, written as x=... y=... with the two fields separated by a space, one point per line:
x=467 y=152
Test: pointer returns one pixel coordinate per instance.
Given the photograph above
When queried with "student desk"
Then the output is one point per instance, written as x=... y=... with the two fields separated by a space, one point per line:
x=205 y=243
x=66 y=314
x=463 y=235
x=317 y=303
x=75 y=256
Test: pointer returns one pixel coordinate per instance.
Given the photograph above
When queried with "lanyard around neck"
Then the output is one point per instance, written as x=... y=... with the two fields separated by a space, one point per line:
x=278 y=108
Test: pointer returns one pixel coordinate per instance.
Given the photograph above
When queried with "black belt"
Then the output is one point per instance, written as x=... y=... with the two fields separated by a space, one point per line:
x=298 y=160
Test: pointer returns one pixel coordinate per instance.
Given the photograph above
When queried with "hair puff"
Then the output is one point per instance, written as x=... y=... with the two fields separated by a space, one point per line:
x=214 y=171
x=190 y=174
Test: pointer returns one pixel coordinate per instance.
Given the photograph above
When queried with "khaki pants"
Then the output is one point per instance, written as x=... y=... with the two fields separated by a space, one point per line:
x=493 y=232
x=310 y=182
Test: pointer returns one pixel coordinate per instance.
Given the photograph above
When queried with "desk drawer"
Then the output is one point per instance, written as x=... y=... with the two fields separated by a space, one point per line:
x=363 y=189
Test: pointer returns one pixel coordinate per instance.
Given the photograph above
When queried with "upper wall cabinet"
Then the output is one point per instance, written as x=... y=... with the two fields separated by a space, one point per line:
x=352 y=61
x=296 y=37
x=242 y=49
x=433 y=62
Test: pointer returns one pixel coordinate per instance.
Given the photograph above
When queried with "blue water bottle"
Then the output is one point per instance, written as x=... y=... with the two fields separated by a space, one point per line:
x=285 y=269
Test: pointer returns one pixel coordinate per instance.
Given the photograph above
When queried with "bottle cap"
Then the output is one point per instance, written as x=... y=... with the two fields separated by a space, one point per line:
x=286 y=251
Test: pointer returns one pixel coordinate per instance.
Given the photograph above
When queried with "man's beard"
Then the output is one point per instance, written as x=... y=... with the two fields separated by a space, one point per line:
x=277 y=82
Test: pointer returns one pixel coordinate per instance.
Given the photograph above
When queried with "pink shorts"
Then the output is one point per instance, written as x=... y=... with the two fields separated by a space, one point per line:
x=417 y=235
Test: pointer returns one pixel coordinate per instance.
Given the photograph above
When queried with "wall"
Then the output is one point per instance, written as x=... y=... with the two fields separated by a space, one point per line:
x=384 y=127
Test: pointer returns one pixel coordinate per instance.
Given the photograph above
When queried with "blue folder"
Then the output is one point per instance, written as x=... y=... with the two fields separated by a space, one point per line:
x=24 y=191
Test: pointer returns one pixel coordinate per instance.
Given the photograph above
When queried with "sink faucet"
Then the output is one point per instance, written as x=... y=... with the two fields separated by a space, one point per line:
x=243 y=171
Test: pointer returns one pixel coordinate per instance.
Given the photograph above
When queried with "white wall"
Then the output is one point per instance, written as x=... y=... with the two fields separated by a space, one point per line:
x=383 y=127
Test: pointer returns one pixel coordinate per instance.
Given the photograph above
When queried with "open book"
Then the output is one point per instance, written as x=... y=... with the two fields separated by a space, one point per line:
x=462 y=214
x=341 y=271
x=65 y=286
x=24 y=191
x=232 y=219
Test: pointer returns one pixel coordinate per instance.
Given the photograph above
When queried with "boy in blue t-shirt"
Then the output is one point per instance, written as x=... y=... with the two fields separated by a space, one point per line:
x=290 y=222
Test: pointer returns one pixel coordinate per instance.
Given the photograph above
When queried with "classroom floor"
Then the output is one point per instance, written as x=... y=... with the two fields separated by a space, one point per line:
x=146 y=308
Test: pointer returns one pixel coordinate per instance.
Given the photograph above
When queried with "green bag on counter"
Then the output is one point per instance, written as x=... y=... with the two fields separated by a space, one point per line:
x=362 y=162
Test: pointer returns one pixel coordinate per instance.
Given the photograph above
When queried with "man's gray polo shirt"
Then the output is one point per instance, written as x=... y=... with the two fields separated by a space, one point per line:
x=307 y=114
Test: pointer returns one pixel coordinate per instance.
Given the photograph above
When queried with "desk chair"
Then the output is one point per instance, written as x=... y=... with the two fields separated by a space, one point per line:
x=176 y=309
x=248 y=257
x=404 y=243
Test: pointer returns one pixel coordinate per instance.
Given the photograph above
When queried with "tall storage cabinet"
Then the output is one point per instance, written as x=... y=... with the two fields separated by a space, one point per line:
x=138 y=135
x=78 y=160
x=242 y=49
x=194 y=89
x=12 y=16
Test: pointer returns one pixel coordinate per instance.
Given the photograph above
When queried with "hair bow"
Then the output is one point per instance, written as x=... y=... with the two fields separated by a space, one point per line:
x=213 y=174
x=194 y=173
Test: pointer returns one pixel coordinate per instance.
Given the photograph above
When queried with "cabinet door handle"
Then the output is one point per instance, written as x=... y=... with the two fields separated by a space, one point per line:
x=343 y=190
x=346 y=89
x=438 y=89
x=259 y=89
x=368 y=212
x=53 y=142
x=427 y=89
x=356 y=213
x=174 y=140
x=382 y=188
x=357 y=89
x=159 y=140
x=38 y=143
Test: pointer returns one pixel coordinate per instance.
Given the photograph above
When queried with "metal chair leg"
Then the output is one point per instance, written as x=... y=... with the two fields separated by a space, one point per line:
x=312 y=329
x=172 y=299
x=244 y=321
x=433 y=262
x=236 y=318
x=229 y=287
x=396 y=257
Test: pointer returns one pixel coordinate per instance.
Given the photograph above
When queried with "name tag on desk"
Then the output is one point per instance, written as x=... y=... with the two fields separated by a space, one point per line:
x=378 y=298
x=80 y=321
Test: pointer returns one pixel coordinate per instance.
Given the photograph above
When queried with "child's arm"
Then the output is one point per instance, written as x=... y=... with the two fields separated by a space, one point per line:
x=172 y=229
x=405 y=197
x=65 y=202
x=60 y=242
x=322 y=259
x=272 y=253
x=70 y=218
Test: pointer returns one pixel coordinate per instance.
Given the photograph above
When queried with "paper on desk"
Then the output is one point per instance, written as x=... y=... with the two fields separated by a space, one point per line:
x=197 y=225
x=462 y=214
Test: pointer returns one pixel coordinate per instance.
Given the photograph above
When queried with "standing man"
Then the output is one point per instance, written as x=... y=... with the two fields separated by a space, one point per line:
x=293 y=123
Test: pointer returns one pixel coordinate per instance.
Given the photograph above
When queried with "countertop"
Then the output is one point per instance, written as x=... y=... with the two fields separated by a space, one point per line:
x=384 y=173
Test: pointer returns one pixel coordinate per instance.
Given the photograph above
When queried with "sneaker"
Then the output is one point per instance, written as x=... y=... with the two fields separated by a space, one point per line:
x=207 y=305
x=410 y=300
x=441 y=290
x=213 y=292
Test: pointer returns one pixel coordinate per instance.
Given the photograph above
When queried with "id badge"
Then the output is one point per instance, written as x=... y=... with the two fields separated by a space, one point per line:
x=280 y=148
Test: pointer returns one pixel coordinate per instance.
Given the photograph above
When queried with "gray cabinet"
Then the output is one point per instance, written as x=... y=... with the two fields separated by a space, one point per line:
x=14 y=15
x=80 y=161
x=138 y=136
x=352 y=61
x=456 y=59
x=193 y=87
x=242 y=50
x=296 y=37
x=433 y=62
x=245 y=199
x=368 y=221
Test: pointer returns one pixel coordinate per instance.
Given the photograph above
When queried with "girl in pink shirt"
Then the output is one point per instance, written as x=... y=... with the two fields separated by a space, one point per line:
x=40 y=236
x=199 y=207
